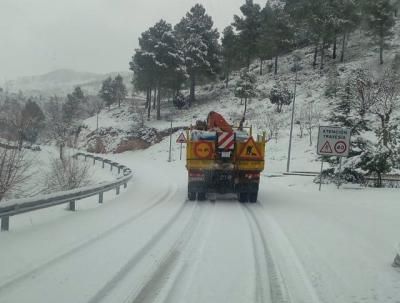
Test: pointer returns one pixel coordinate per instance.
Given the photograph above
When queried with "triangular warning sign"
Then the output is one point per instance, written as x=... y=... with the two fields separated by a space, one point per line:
x=181 y=138
x=250 y=150
x=326 y=148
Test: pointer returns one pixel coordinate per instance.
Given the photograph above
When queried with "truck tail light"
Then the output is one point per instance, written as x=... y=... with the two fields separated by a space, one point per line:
x=197 y=175
x=252 y=176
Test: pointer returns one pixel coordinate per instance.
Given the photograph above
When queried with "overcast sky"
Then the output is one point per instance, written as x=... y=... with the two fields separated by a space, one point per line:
x=38 y=36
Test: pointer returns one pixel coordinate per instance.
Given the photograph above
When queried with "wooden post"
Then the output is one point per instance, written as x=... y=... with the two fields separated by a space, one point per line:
x=111 y=165
x=94 y=160
x=103 y=164
x=119 y=170
x=85 y=157
x=72 y=205
x=5 y=223
x=100 y=198
x=117 y=190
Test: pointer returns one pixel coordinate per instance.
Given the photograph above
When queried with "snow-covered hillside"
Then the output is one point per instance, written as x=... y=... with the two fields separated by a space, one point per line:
x=61 y=82
x=311 y=88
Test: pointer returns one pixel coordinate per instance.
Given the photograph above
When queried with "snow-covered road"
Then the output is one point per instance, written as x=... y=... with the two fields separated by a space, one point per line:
x=151 y=245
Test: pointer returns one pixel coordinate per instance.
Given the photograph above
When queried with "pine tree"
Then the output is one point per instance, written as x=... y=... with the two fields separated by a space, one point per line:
x=106 y=92
x=276 y=32
x=199 y=42
x=119 y=89
x=74 y=101
x=143 y=66
x=230 y=50
x=380 y=21
x=375 y=160
x=248 y=28
x=348 y=17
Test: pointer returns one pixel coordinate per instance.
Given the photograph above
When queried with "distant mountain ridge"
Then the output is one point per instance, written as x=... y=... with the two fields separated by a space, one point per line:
x=62 y=81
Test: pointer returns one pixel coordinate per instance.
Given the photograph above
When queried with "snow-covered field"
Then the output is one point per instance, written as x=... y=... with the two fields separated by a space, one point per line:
x=151 y=245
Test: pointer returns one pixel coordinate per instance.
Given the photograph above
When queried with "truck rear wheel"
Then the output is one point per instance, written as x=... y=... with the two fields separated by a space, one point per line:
x=253 y=197
x=201 y=196
x=191 y=195
x=242 y=197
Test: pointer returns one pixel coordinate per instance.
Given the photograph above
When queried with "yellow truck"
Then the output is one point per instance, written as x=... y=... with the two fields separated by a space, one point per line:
x=223 y=159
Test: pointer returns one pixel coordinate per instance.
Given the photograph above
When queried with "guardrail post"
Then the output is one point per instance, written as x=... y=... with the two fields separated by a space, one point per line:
x=72 y=205
x=117 y=190
x=125 y=185
x=103 y=164
x=85 y=157
x=111 y=166
x=119 y=170
x=100 y=197
x=5 y=223
x=94 y=160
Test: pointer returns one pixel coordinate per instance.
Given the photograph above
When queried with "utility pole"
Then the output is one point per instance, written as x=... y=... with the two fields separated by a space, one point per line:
x=297 y=58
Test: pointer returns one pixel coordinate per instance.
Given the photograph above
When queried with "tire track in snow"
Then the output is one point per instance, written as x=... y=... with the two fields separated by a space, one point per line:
x=31 y=273
x=139 y=256
x=288 y=268
x=163 y=281
x=270 y=286
x=187 y=273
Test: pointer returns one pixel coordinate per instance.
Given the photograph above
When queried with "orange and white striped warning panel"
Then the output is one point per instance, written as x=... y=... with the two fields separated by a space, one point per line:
x=226 y=140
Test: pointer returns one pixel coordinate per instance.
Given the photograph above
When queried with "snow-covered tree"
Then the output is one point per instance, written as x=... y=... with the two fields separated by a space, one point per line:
x=119 y=89
x=34 y=119
x=280 y=96
x=199 y=42
x=248 y=27
x=276 y=32
x=230 y=52
x=72 y=104
x=106 y=92
x=246 y=87
x=380 y=21
x=332 y=82
x=375 y=161
x=159 y=63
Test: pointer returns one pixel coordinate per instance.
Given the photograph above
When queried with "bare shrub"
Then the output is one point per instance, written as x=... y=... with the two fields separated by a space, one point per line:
x=67 y=173
x=13 y=169
x=273 y=125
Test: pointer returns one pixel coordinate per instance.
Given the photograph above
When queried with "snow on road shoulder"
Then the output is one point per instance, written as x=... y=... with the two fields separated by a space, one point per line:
x=344 y=240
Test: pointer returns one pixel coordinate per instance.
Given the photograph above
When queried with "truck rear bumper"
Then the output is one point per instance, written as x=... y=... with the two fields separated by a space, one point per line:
x=222 y=182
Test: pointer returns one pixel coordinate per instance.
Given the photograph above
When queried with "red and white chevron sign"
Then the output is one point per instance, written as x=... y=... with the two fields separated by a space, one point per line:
x=226 y=140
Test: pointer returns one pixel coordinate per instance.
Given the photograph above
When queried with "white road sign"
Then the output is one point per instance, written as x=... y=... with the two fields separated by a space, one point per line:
x=333 y=141
x=181 y=139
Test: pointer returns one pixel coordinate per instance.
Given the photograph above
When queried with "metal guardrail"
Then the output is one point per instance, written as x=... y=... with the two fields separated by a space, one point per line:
x=20 y=206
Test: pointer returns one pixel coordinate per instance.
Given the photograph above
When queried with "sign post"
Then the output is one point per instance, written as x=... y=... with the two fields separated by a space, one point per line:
x=170 y=144
x=333 y=141
x=181 y=139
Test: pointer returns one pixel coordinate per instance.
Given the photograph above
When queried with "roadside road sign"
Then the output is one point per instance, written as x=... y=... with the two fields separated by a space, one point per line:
x=333 y=141
x=181 y=138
